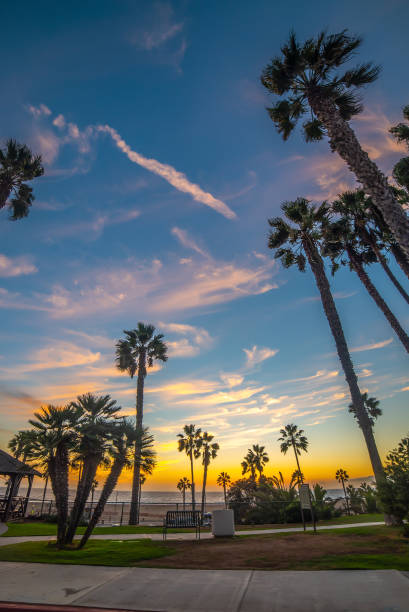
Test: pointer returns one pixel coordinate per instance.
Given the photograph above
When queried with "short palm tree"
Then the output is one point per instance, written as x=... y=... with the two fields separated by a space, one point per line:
x=371 y=406
x=190 y=442
x=183 y=485
x=340 y=241
x=296 y=240
x=17 y=166
x=21 y=444
x=56 y=438
x=292 y=437
x=342 y=477
x=209 y=451
x=96 y=417
x=135 y=354
x=223 y=480
x=121 y=451
x=249 y=464
x=309 y=79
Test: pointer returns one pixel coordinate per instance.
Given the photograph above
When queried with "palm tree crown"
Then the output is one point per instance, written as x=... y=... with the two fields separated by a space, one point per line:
x=292 y=437
x=223 y=479
x=310 y=70
x=17 y=165
x=341 y=475
x=140 y=348
x=183 y=484
x=372 y=408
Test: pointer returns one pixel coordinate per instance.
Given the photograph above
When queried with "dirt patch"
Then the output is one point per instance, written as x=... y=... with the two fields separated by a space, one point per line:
x=272 y=553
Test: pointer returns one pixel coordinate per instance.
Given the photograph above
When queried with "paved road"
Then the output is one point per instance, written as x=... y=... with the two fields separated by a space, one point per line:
x=167 y=590
x=182 y=536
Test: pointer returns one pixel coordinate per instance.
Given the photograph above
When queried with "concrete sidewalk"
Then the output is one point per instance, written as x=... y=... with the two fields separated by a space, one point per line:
x=181 y=536
x=162 y=590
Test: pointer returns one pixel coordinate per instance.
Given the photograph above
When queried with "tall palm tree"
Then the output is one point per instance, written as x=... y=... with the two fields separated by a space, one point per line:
x=307 y=76
x=340 y=239
x=96 y=417
x=369 y=227
x=292 y=437
x=223 y=480
x=209 y=452
x=56 y=438
x=134 y=354
x=190 y=441
x=342 y=477
x=260 y=458
x=18 y=165
x=296 y=242
x=183 y=485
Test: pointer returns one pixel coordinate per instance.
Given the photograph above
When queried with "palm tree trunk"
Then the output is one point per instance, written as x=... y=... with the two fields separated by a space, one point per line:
x=184 y=498
x=296 y=458
x=377 y=298
x=89 y=470
x=134 y=511
x=204 y=488
x=106 y=492
x=382 y=260
x=346 y=498
x=401 y=258
x=334 y=322
x=44 y=494
x=225 y=495
x=61 y=490
x=193 y=481
x=343 y=140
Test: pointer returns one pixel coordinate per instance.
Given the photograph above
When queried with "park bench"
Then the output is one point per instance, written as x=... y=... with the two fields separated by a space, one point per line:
x=178 y=519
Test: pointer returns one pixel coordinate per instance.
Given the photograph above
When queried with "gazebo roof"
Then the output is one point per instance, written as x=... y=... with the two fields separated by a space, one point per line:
x=10 y=465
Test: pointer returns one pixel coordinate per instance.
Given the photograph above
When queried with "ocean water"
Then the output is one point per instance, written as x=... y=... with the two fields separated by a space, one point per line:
x=149 y=497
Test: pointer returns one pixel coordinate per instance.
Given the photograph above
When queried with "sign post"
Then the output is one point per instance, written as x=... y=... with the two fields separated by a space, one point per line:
x=306 y=503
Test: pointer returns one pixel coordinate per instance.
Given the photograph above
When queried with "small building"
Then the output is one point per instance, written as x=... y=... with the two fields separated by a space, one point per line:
x=13 y=506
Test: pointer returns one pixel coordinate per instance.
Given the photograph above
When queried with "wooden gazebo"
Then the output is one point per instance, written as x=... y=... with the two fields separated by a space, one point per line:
x=11 y=504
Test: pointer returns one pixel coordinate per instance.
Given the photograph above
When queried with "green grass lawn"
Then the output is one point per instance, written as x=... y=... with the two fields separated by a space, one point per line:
x=96 y=552
x=45 y=529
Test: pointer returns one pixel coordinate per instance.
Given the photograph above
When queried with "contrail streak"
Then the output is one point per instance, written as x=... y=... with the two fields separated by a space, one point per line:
x=175 y=178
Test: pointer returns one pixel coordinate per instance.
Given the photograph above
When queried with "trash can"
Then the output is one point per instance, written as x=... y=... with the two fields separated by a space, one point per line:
x=223 y=523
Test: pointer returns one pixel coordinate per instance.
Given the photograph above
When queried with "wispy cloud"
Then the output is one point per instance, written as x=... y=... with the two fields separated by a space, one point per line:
x=187 y=241
x=16 y=266
x=371 y=347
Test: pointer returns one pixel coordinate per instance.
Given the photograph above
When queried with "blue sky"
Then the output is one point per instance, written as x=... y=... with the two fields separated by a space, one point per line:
x=161 y=169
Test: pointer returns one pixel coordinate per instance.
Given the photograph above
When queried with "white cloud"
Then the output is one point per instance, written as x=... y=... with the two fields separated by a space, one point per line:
x=257 y=355
x=15 y=266
x=195 y=340
x=231 y=379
